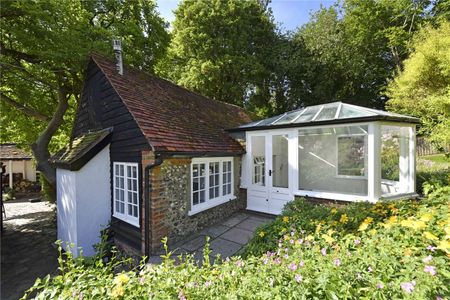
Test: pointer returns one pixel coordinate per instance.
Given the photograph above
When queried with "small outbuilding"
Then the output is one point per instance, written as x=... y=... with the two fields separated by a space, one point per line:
x=19 y=164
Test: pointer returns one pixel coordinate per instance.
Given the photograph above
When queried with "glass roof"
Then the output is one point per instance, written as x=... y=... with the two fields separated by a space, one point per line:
x=325 y=112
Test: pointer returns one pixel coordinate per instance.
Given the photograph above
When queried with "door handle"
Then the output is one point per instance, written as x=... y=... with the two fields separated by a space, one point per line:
x=270 y=172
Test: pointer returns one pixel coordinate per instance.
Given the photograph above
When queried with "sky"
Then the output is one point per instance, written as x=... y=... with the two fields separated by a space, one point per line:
x=290 y=14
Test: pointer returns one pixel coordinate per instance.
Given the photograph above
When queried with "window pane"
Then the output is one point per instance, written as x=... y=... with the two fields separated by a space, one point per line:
x=351 y=155
x=202 y=196
x=195 y=198
x=318 y=160
x=258 y=160
x=280 y=164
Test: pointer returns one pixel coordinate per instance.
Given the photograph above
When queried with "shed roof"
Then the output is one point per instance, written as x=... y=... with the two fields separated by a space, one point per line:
x=9 y=151
x=172 y=118
x=78 y=152
x=330 y=113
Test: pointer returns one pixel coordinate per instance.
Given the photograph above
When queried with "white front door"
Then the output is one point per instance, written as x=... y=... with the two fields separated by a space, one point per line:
x=268 y=189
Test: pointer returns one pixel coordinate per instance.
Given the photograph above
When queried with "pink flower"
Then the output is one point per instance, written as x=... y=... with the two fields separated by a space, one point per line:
x=431 y=248
x=291 y=241
x=300 y=241
x=265 y=261
x=239 y=263
x=337 y=262
x=277 y=261
x=357 y=242
x=430 y=269
x=323 y=251
x=293 y=267
x=286 y=256
x=439 y=298
x=302 y=263
x=207 y=283
x=369 y=269
x=427 y=259
x=298 y=278
x=181 y=296
x=408 y=286
x=292 y=233
x=380 y=286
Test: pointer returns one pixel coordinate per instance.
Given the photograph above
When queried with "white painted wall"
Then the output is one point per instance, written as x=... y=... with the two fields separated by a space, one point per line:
x=84 y=203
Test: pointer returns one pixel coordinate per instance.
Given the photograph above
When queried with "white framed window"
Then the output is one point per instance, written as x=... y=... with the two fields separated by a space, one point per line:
x=211 y=182
x=351 y=156
x=126 y=192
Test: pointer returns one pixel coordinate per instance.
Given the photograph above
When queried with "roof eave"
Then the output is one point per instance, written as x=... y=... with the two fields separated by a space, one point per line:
x=329 y=122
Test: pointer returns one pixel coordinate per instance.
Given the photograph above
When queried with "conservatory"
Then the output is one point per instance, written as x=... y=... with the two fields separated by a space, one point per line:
x=333 y=151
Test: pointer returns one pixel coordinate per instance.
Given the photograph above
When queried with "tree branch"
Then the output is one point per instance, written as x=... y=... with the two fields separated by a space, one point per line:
x=20 y=55
x=26 y=110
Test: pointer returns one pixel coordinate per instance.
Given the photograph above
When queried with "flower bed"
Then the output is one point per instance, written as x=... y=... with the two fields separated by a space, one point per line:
x=391 y=250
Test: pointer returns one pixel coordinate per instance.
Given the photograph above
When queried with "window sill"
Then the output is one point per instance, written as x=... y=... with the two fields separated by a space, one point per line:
x=134 y=222
x=210 y=204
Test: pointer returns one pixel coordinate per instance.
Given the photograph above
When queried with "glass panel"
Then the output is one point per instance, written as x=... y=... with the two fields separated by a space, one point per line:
x=308 y=114
x=288 y=117
x=258 y=155
x=280 y=164
x=351 y=155
x=351 y=112
x=328 y=112
x=394 y=160
x=318 y=161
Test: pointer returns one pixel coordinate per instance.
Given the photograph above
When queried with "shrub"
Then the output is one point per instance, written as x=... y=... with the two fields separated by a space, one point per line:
x=396 y=250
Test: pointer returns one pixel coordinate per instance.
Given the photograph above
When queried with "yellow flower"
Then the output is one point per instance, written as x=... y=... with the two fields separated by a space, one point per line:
x=318 y=227
x=285 y=219
x=430 y=236
x=365 y=224
x=407 y=252
x=309 y=238
x=426 y=217
x=121 y=279
x=413 y=224
x=334 y=210
x=373 y=231
x=262 y=233
x=390 y=222
x=117 y=291
x=444 y=246
x=343 y=219
x=327 y=238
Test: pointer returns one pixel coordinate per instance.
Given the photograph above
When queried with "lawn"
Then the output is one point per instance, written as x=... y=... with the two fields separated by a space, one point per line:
x=389 y=250
x=440 y=160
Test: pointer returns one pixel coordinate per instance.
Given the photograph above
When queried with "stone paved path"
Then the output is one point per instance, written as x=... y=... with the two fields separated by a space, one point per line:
x=27 y=250
x=227 y=238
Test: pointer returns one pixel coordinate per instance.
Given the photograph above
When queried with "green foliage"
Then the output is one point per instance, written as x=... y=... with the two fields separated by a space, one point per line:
x=422 y=89
x=219 y=48
x=45 y=47
x=48 y=192
x=431 y=176
x=392 y=250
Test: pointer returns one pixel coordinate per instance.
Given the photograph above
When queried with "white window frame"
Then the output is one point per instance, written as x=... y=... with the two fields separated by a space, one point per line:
x=365 y=156
x=211 y=202
x=126 y=217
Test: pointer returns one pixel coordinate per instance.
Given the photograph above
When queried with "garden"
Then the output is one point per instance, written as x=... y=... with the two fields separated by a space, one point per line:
x=388 y=250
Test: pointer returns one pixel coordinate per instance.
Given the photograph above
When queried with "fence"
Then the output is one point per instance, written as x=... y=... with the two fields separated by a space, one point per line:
x=423 y=147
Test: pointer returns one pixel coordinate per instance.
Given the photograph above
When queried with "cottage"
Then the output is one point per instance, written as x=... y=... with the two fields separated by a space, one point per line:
x=152 y=159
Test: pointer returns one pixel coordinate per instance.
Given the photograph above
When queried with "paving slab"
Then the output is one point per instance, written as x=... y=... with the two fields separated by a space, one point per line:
x=235 y=219
x=224 y=247
x=195 y=243
x=238 y=235
x=215 y=231
x=251 y=224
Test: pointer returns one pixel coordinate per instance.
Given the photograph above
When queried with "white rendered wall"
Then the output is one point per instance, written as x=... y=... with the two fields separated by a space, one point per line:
x=84 y=204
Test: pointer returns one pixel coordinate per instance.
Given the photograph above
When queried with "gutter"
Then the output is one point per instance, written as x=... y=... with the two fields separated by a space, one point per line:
x=147 y=192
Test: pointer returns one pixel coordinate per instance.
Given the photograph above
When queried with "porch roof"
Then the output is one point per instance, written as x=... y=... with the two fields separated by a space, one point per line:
x=330 y=113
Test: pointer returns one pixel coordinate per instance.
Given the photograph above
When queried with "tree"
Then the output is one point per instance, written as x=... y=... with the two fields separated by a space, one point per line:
x=219 y=48
x=351 y=50
x=44 y=50
x=422 y=89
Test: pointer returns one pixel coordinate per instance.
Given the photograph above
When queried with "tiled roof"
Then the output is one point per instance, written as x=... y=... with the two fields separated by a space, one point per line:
x=9 y=151
x=77 y=153
x=330 y=113
x=174 y=119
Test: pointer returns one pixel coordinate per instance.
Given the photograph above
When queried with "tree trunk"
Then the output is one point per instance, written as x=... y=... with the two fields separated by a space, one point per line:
x=40 y=147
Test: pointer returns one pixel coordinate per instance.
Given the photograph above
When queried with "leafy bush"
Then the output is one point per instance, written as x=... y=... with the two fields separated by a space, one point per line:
x=431 y=176
x=397 y=250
